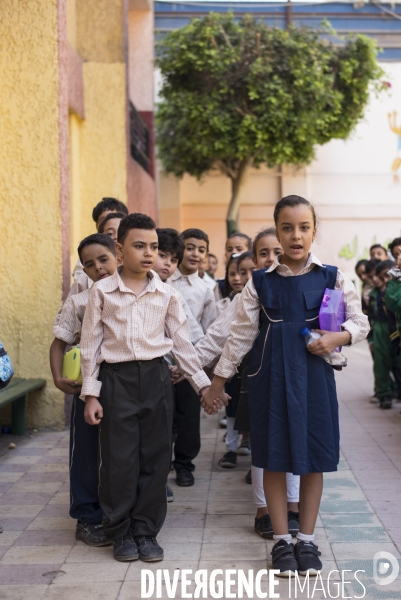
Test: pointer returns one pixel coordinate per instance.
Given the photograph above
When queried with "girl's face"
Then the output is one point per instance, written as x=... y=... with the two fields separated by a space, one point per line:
x=397 y=255
x=267 y=249
x=233 y=278
x=361 y=273
x=295 y=232
x=245 y=270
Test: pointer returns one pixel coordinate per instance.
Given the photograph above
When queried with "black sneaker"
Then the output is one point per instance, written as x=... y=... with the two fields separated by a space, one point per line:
x=184 y=478
x=386 y=402
x=228 y=461
x=91 y=534
x=264 y=527
x=283 y=558
x=149 y=549
x=169 y=493
x=293 y=522
x=248 y=477
x=245 y=448
x=125 y=548
x=307 y=555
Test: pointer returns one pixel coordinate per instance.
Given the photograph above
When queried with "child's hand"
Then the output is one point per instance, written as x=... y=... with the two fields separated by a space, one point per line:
x=328 y=342
x=93 y=411
x=212 y=400
x=175 y=375
x=68 y=386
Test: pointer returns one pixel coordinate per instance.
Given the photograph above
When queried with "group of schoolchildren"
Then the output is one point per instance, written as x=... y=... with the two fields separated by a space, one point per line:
x=381 y=302
x=160 y=338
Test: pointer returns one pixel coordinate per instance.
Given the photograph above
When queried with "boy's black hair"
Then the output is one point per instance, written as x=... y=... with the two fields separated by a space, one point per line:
x=227 y=289
x=97 y=238
x=112 y=215
x=377 y=246
x=170 y=241
x=108 y=204
x=361 y=263
x=268 y=231
x=244 y=256
x=198 y=234
x=241 y=235
x=394 y=243
x=371 y=265
x=134 y=221
x=384 y=264
x=213 y=256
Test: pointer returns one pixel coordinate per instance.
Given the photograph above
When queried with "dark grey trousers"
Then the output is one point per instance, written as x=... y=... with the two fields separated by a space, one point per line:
x=135 y=446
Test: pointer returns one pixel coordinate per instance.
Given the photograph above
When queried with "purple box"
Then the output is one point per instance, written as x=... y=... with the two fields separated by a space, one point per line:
x=332 y=311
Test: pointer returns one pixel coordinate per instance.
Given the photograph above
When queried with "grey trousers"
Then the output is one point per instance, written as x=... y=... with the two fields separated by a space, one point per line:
x=135 y=446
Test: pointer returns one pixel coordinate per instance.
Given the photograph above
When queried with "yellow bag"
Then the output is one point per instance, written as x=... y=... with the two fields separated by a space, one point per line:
x=72 y=365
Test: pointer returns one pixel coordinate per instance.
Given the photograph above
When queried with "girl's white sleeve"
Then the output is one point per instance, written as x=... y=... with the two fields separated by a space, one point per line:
x=356 y=323
x=243 y=332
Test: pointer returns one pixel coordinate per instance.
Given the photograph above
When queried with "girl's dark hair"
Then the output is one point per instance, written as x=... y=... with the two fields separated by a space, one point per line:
x=227 y=289
x=97 y=238
x=134 y=221
x=170 y=241
x=112 y=215
x=361 y=263
x=244 y=256
x=394 y=243
x=263 y=233
x=371 y=265
x=292 y=201
x=108 y=204
x=384 y=264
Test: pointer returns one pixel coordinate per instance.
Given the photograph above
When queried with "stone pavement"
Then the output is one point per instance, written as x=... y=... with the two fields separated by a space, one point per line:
x=209 y=526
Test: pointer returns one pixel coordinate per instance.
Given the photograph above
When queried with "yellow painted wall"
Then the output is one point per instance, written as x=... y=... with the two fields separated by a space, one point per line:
x=31 y=272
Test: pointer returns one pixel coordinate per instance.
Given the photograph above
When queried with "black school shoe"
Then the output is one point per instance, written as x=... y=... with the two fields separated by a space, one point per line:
x=248 y=477
x=126 y=549
x=307 y=555
x=293 y=522
x=149 y=549
x=228 y=461
x=283 y=558
x=184 y=478
x=264 y=527
x=169 y=493
x=91 y=534
x=386 y=402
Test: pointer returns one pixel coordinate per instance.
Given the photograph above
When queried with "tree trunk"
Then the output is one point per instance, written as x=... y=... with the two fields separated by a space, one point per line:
x=234 y=206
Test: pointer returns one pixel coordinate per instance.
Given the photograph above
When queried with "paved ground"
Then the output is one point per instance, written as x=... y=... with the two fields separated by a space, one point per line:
x=209 y=526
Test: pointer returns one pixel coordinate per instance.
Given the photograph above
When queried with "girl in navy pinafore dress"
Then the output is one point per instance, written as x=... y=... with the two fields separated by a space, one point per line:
x=291 y=388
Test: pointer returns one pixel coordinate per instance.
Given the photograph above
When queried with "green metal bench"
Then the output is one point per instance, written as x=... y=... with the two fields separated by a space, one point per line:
x=16 y=392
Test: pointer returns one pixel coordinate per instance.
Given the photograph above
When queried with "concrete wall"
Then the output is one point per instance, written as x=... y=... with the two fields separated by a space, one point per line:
x=31 y=240
x=350 y=183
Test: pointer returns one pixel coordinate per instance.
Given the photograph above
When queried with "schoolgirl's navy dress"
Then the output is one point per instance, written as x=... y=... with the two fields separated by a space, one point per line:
x=291 y=392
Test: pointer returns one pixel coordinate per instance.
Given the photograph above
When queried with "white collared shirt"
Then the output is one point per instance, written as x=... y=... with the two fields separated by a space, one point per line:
x=198 y=296
x=245 y=327
x=120 y=326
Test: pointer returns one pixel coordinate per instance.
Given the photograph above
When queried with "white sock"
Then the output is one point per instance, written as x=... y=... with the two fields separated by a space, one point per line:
x=303 y=537
x=284 y=536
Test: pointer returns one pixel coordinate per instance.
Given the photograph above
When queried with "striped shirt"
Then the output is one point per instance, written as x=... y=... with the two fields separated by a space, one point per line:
x=81 y=283
x=71 y=316
x=245 y=326
x=120 y=326
x=198 y=296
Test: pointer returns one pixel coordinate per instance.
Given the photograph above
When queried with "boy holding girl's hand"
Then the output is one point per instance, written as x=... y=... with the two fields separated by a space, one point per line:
x=132 y=320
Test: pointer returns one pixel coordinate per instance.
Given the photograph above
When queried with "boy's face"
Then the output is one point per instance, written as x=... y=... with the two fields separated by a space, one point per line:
x=195 y=252
x=369 y=277
x=379 y=253
x=138 y=252
x=165 y=265
x=103 y=215
x=361 y=273
x=397 y=255
x=383 y=278
x=212 y=265
x=111 y=228
x=267 y=249
x=245 y=270
x=98 y=262
x=235 y=245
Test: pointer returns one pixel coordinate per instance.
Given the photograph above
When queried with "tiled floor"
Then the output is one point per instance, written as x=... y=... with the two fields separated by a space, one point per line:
x=209 y=526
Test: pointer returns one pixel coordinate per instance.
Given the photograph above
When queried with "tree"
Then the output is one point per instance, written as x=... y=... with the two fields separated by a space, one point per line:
x=238 y=93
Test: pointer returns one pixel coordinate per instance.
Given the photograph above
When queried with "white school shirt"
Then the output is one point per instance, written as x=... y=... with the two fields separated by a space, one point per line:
x=198 y=296
x=245 y=327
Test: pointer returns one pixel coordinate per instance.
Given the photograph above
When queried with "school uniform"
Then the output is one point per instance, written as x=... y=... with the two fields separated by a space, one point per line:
x=81 y=284
x=84 y=438
x=124 y=339
x=291 y=392
x=187 y=411
x=210 y=282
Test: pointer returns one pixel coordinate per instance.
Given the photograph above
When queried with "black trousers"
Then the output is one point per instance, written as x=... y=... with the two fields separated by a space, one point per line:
x=135 y=446
x=84 y=466
x=186 y=426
